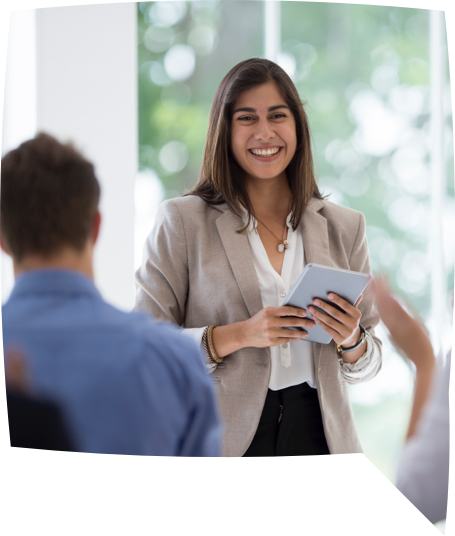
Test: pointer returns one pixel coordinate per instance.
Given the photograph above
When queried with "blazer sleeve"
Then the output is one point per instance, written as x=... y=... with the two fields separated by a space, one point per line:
x=162 y=280
x=359 y=261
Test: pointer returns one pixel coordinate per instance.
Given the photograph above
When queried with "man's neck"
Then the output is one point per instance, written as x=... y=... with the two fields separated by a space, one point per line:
x=65 y=259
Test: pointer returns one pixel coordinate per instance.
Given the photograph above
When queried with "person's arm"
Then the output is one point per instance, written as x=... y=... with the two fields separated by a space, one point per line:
x=265 y=329
x=423 y=468
x=408 y=335
x=424 y=377
x=162 y=279
x=195 y=334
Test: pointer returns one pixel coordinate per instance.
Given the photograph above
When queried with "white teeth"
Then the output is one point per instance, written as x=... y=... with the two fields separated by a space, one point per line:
x=265 y=152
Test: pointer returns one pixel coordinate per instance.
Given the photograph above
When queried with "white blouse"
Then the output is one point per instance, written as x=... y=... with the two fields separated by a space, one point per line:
x=292 y=364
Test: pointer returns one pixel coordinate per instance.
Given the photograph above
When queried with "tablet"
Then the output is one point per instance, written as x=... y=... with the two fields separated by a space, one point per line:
x=316 y=281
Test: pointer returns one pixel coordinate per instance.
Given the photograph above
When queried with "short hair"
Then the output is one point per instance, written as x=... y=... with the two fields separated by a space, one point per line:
x=49 y=198
x=220 y=179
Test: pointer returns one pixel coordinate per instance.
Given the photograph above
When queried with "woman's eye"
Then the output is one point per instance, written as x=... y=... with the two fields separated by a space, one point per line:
x=248 y=118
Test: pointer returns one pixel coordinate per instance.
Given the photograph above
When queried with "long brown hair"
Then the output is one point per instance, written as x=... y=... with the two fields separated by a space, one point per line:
x=220 y=179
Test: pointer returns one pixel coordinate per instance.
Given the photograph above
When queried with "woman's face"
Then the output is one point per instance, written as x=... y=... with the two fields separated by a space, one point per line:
x=263 y=136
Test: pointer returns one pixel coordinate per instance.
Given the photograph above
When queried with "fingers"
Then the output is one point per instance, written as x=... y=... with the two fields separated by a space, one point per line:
x=336 y=336
x=342 y=324
x=345 y=305
x=280 y=334
x=292 y=321
x=331 y=325
x=350 y=315
x=288 y=310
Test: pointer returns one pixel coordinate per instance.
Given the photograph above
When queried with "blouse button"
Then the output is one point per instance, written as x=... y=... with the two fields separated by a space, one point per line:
x=282 y=294
x=285 y=345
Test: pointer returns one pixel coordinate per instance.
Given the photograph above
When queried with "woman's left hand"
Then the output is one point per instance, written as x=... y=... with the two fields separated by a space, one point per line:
x=342 y=327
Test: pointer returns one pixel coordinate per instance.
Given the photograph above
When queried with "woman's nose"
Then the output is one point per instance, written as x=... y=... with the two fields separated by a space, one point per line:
x=264 y=131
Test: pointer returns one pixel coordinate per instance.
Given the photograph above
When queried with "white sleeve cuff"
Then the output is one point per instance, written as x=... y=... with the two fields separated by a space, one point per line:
x=196 y=335
x=363 y=366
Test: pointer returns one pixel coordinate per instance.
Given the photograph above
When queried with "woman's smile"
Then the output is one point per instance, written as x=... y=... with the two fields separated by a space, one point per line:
x=265 y=153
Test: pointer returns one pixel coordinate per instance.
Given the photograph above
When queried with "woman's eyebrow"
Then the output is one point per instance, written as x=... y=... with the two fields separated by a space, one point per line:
x=253 y=110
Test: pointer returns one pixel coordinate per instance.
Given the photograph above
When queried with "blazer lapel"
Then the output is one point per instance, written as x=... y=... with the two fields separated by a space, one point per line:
x=315 y=235
x=238 y=252
x=316 y=250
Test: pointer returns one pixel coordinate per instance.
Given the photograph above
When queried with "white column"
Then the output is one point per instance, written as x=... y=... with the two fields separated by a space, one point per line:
x=87 y=92
x=19 y=110
x=272 y=30
x=438 y=276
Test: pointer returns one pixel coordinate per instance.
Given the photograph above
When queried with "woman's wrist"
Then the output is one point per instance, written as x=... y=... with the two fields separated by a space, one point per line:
x=355 y=355
x=353 y=340
x=228 y=339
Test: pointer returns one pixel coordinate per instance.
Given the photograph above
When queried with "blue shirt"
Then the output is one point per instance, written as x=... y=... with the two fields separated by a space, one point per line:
x=125 y=384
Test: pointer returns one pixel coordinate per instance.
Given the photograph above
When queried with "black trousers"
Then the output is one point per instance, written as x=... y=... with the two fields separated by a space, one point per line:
x=290 y=424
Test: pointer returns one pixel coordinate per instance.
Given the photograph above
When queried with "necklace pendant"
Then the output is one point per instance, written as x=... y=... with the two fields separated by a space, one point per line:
x=281 y=248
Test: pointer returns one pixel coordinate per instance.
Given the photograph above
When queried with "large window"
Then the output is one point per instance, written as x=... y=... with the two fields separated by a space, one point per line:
x=364 y=72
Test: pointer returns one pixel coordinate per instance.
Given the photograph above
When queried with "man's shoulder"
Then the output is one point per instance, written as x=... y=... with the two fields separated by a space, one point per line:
x=128 y=337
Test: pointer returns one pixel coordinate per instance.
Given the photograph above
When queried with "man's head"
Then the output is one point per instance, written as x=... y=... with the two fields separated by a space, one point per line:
x=49 y=200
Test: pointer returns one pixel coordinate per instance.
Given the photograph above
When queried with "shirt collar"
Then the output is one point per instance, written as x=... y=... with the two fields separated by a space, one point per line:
x=53 y=281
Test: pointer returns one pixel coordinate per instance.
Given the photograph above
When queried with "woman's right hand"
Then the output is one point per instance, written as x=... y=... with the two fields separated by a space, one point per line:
x=268 y=326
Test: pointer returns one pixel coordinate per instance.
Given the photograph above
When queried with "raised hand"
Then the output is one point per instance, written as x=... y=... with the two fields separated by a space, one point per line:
x=407 y=332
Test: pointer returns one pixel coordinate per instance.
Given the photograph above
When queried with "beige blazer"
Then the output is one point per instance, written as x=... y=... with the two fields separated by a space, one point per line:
x=197 y=270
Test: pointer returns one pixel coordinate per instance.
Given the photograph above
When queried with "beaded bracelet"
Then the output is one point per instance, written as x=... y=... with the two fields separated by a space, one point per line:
x=207 y=342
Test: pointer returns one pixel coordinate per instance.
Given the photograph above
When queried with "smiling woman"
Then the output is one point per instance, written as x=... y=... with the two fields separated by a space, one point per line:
x=263 y=139
x=237 y=123
x=220 y=261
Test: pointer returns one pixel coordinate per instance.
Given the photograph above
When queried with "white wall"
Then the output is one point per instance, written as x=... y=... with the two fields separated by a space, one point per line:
x=19 y=110
x=87 y=92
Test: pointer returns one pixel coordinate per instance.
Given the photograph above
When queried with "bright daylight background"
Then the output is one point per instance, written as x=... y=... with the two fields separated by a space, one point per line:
x=376 y=84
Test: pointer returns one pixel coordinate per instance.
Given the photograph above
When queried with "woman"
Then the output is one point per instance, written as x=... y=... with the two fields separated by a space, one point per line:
x=220 y=261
